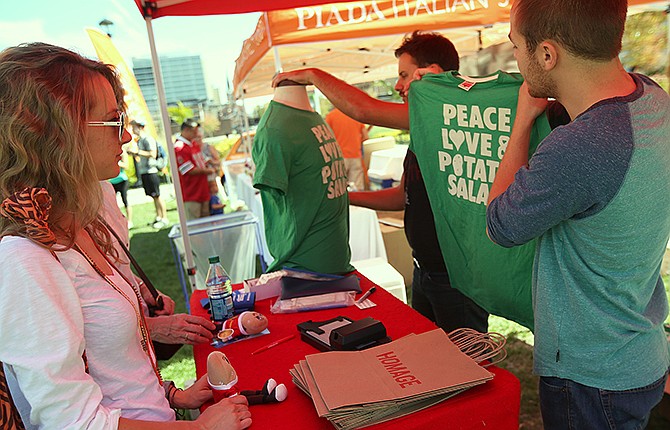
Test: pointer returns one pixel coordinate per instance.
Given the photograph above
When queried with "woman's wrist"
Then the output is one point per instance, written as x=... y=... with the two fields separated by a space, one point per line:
x=172 y=394
x=176 y=400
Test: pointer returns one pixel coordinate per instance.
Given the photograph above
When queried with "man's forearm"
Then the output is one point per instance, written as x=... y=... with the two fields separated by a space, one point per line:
x=143 y=153
x=389 y=199
x=516 y=153
x=358 y=105
x=201 y=171
x=516 y=156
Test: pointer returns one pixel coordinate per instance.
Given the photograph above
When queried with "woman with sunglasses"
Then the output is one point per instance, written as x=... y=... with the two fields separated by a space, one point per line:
x=75 y=348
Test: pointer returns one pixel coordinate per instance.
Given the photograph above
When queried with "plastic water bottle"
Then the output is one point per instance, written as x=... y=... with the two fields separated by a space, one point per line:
x=219 y=291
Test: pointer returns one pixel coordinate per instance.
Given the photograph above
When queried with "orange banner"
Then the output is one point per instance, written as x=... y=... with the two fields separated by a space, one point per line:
x=374 y=18
x=360 y=19
x=338 y=21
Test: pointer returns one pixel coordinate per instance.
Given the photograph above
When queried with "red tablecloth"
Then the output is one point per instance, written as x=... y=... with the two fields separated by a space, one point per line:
x=494 y=405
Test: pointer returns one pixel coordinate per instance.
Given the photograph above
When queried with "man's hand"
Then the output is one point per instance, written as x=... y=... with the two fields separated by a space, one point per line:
x=180 y=328
x=529 y=107
x=516 y=154
x=419 y=73
x=194 y=396
x=302 y=76
x=229 y=414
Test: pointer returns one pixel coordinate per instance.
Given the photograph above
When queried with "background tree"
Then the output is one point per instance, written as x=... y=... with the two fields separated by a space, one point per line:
x=259 y=111
x=210 y=125
x=180 y=113
x=645 y=43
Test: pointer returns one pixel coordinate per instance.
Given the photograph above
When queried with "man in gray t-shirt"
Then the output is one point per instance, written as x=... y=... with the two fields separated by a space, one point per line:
x=596 y=194
x=147 y=150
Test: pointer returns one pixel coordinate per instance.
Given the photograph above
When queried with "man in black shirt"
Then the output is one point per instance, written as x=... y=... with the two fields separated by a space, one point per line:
x=432 y=294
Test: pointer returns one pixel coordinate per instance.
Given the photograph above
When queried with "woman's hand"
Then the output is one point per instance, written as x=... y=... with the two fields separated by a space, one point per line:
x=194 y=396
x=231 y=413
x=180 y=328
x=168 y=305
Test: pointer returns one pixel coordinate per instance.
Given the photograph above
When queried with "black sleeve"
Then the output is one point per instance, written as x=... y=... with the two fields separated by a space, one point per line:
x=556 y=114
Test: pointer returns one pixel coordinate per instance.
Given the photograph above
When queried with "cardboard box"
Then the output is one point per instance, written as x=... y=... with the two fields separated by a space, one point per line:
x=398 y=251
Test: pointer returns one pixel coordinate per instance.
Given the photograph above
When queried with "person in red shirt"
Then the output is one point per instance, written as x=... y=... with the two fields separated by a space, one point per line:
x=193 y=171
x=350 y=134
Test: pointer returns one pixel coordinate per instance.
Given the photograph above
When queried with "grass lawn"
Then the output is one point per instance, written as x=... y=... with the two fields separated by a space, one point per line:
x=153 y=251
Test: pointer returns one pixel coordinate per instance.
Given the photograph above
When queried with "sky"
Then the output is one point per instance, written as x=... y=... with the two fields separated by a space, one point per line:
x=217 y=39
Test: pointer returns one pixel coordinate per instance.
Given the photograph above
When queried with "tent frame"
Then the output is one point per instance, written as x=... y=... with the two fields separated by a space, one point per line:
x=148 y=12
x=151 y=9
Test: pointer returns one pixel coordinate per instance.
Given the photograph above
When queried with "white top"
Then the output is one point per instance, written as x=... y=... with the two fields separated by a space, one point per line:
x=118 y=222
x=50 y=312
x=113 y=215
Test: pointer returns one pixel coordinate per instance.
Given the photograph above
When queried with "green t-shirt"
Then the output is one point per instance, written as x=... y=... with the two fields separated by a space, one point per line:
x=459 y=134
x=301 y=175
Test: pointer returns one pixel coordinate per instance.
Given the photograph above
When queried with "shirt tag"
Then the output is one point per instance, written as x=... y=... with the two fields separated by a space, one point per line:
x=466 y=85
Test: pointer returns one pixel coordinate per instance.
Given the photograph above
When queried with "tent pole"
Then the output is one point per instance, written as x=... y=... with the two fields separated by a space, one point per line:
x=246 y=138
x=174 y=171
x=317 y=96
x=275 y=53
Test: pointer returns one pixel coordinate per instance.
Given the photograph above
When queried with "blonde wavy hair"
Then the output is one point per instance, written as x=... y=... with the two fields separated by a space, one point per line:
x=46 y=95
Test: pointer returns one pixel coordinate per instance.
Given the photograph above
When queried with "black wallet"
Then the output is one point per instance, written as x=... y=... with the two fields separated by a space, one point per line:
x=343 y=334
x=296 y=287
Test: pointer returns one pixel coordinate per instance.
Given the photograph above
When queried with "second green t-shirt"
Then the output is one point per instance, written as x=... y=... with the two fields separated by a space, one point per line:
x=460 y=129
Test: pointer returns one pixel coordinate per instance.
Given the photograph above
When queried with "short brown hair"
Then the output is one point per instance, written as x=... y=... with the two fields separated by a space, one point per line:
x=590 y=29
x=430 y=48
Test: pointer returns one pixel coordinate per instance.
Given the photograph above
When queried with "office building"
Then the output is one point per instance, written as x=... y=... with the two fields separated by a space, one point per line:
x=183 y=79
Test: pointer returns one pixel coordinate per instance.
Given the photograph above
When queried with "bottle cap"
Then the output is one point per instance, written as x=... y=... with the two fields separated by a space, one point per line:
x=214 y=259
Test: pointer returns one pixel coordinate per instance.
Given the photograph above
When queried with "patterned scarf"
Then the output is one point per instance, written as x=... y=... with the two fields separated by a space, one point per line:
x=9 y=416
x=31 y=207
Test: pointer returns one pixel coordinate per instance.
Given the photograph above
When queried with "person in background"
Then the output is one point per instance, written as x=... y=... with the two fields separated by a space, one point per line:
x=350 y=134
x=215 y=204
x=432 y=293
x=597 y=195
x=211 y=155
x=120 y=183
x=75 y=347
x=193 y=171
x=147 y=152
